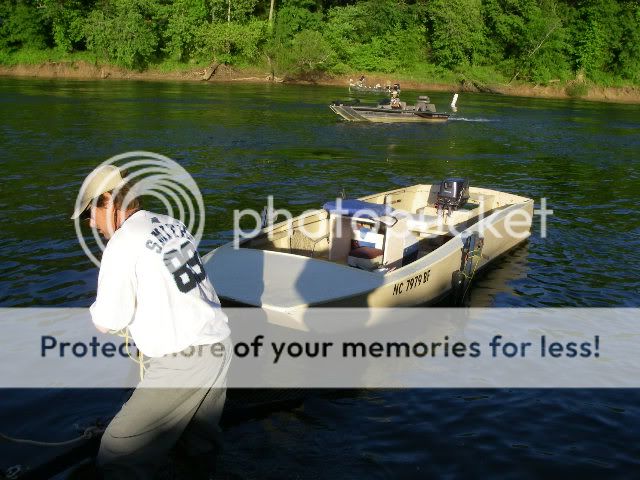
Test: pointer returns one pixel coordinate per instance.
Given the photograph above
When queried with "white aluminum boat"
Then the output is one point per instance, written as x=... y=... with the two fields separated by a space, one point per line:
x=404 y=247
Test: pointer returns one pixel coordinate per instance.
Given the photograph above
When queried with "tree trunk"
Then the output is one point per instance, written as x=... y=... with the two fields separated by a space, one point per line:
x=229 y=13
x=208 y=73
x=271 y=14
x=531 y=53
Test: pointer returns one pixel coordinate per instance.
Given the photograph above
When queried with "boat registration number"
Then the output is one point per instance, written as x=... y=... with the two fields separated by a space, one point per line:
x=407 y=285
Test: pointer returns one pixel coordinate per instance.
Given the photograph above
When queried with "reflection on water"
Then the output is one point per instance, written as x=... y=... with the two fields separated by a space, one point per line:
x=499 y=281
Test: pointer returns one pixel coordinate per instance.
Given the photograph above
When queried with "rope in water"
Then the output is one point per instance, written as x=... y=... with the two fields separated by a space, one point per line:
x=88 y=434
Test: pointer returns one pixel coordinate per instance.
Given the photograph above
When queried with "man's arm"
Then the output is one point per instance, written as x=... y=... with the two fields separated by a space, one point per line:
x=117 y=285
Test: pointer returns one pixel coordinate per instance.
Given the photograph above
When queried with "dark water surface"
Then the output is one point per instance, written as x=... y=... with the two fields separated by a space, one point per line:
x=245 y=142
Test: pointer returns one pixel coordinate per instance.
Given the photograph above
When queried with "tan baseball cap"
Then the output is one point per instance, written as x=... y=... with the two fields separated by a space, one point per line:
x=103 y=179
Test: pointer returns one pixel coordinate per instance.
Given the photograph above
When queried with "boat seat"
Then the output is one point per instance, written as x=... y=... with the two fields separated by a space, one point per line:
x=365 y=258
x=425 y=224
x=428 y=225
x=301 y=244
x=488 y=202
x=342 y=214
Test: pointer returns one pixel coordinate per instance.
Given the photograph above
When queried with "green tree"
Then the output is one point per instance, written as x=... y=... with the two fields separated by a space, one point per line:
x=184 y=19
x=526 y=39
x=67 y=22
x=597 y=31
x=626 y=52
x=293 y=17
x=22 y=25
x=346 y=30
x=455 y=32
x=383 y=35
x=232 y=42
x=307 y=55
x=232 y=10
x=125 y=33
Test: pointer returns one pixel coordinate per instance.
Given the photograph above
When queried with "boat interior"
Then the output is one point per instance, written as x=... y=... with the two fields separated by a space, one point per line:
x=381 y=232
x=422 y=105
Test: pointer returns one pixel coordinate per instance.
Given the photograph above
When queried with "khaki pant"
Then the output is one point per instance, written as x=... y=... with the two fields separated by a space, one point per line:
x=179 y=401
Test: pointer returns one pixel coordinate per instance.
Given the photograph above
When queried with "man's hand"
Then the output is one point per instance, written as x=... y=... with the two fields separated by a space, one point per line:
x=101 y=329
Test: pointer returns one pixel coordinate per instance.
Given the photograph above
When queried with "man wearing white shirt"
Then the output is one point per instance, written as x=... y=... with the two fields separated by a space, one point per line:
x=152 y=283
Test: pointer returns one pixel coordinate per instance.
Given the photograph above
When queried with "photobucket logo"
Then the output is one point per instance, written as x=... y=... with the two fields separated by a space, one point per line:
x=511 y=221
x=141 y=174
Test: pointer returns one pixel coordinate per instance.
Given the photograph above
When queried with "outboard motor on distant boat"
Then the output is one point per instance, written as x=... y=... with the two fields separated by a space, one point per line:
x=423 y=104
x=453 y=194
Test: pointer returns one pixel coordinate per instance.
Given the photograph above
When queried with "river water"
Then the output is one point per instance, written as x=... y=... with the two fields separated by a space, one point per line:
x=242 y=143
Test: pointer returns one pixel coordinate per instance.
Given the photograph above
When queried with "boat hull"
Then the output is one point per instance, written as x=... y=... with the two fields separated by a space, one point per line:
x=386 y=115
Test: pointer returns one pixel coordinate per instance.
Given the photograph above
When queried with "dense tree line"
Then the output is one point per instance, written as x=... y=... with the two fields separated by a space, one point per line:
x=538 y=41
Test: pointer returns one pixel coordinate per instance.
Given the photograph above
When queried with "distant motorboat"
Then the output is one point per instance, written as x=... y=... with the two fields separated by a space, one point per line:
x=377 y=89
x=384 y=112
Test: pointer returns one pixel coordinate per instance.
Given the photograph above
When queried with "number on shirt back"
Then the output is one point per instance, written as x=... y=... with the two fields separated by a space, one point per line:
x=185 y=266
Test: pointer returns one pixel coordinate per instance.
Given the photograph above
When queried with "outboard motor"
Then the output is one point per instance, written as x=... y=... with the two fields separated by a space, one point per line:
x=423 y=104
x=453 y=194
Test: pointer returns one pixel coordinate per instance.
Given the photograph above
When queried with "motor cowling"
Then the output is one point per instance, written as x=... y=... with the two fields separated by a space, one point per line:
x=453 y=193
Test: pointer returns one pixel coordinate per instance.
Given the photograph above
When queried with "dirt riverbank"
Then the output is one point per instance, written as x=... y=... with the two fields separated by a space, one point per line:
x=224 y=73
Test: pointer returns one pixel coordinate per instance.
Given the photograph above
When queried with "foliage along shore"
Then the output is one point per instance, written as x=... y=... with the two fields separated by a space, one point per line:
x=83 y=70
x=577 y=48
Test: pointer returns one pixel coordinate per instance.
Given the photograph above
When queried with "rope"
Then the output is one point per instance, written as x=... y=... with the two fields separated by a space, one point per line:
x=88 y=434
x=140 y=360
x=473 y=272
x=13 y=472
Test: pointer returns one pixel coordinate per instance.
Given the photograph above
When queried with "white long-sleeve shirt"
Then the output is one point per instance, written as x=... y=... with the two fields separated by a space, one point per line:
x=152 y=280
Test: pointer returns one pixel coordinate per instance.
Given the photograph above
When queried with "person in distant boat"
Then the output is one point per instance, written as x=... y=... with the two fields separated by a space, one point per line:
x=152 y=283
x=395 y=100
